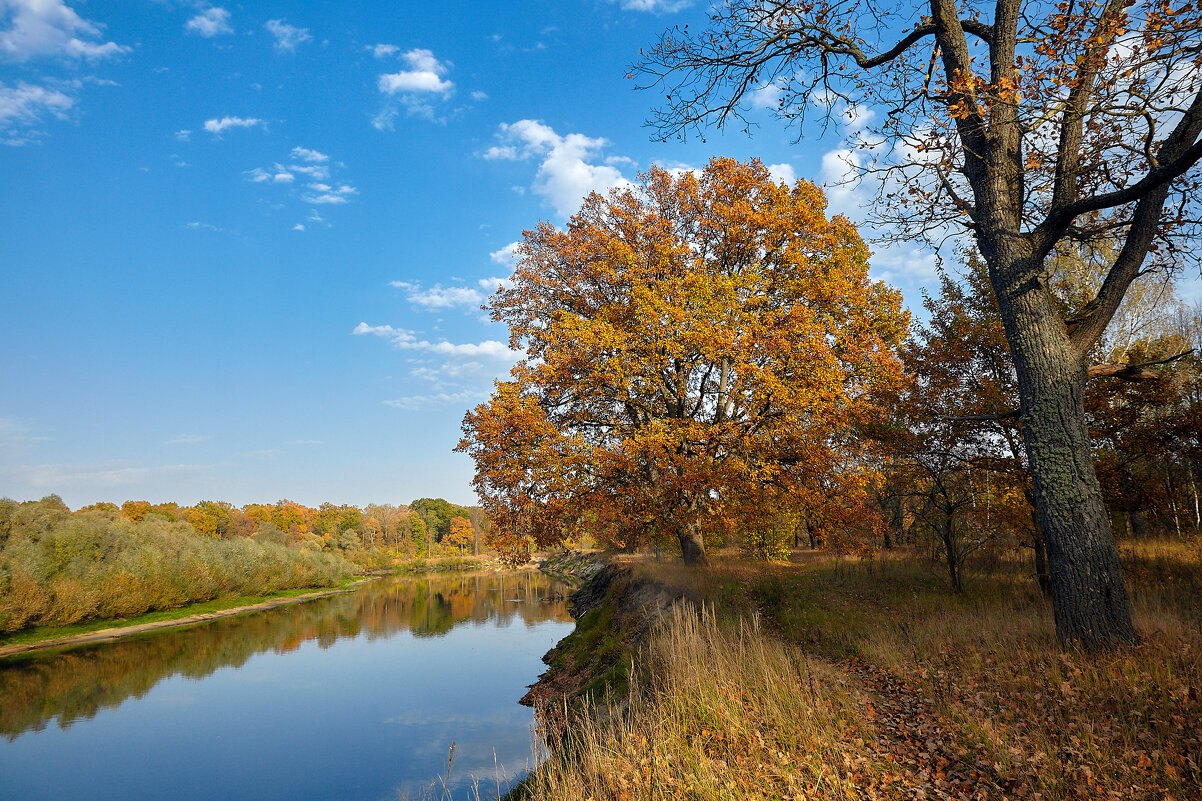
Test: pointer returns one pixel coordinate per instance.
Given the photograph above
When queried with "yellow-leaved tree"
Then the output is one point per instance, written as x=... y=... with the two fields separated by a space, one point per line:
x=689 y=342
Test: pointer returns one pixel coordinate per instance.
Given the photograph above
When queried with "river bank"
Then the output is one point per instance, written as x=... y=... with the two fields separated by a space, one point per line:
x=832 y=677
x=102 y=630
x=50 y=637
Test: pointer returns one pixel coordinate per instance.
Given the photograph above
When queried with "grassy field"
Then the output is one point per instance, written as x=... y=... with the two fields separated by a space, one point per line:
x=839 y=678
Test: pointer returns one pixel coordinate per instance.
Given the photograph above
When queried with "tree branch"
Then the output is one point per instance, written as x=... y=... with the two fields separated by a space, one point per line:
x=1133 y=372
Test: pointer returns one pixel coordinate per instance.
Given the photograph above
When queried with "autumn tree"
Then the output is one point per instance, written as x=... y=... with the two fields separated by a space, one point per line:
x=957 y=461
x=460 y=533
x=419 y=535
x=688 y=341
x=1025 y=124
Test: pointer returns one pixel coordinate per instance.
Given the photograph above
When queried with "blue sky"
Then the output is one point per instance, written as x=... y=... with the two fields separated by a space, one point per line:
x=244 y=246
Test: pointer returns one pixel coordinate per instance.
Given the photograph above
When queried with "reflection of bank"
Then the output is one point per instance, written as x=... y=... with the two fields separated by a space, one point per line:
x=75 y=684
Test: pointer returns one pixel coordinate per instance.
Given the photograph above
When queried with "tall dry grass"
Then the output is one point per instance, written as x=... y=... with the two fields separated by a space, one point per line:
x=778 y=689
x=716 y=710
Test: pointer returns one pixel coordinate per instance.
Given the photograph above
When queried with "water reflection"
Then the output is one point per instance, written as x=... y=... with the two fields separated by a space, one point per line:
x=422 y=661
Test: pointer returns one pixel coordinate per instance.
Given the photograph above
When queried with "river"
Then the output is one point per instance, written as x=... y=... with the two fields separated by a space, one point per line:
x=356 y=696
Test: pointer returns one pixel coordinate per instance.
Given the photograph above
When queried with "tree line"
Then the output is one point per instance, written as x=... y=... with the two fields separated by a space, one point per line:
x=59 y=567
x=427 y=526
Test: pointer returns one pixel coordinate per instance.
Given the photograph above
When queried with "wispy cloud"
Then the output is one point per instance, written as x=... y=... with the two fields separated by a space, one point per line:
x=322 y=194
x=25 y=107
x=49 y=29
x=185 y=439
x=314 y=169
x=654 y=6
x=305 y=154
x=220 y=126
x=438 y=296
x=566 y=172
x=383 y=50
x=210 y=22
x=287 y=37
x=416 y=402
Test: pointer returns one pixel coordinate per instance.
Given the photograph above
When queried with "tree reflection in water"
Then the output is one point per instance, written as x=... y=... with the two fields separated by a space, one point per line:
x=75 y=684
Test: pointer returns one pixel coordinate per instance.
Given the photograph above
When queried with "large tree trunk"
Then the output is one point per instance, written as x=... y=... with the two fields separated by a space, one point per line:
x=1088 y=595
x=692 y=546
x=1139 y=524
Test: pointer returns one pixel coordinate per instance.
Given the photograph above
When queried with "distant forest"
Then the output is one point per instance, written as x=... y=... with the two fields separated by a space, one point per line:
x=59 y=567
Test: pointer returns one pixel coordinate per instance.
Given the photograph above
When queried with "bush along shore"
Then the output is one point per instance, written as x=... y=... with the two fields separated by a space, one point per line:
x=59 y=568
x=829 y=677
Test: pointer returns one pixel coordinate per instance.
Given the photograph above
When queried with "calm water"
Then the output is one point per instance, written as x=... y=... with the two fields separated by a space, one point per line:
x=354 y=696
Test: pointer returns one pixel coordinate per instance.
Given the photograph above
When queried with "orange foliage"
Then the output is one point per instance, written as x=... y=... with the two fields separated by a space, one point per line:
x=688 y=343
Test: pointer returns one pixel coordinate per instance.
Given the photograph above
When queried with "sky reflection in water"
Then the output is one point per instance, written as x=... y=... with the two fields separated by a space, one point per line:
x=352 y=697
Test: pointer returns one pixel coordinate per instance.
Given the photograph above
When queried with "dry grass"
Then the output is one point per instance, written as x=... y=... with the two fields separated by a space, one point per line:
x=717 y=710
x=868 y=679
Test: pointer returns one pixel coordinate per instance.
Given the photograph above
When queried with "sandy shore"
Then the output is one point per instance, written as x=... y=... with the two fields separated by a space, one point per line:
x=115 y=632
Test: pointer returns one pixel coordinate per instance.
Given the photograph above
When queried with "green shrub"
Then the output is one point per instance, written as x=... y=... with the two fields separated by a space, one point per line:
x=58 y=568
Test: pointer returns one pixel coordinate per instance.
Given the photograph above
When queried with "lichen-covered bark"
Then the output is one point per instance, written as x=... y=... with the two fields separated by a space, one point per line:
x=1089 y=599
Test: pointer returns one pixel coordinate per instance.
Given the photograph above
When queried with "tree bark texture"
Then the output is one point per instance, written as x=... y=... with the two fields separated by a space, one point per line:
x=692 y=547
x=1088 y=596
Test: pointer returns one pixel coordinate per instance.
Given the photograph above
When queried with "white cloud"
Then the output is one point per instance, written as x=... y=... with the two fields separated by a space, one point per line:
x=305 y=154
x=383 y=50
x=417 y=89
x=202 y=226
x=298 y=227
x=324 y=194
x=48 y=28
x=839 y=175
x=565 y=175
x=654 y=6
x=415 y=402
x=439 y=296
x=502 y=153
x=211 y=22
x=384 y=121
x=783 y=172
x=183 y=135
x=766 y=97
x=25 y=105
x=507 y=255
x=217 y=127
x=261 y=176
x=287 y=37
x=405 y=339
x=424 y=75
x=478 y=95
x=905 y=265
x=316 y=172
